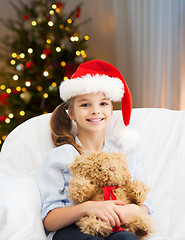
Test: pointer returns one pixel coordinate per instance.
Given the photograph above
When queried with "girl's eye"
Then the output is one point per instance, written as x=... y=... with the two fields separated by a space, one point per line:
x=104 y=104
x=85 y=105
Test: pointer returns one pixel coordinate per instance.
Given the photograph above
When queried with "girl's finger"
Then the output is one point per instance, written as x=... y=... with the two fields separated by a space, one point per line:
x=105 y=219
x=116 y=218
x=119 y=202
x=113 y=218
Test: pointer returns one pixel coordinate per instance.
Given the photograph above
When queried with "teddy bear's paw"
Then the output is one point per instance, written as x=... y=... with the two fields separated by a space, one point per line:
x=142 y=226
x=137 y=191
x=92 y=225
x=80 y=190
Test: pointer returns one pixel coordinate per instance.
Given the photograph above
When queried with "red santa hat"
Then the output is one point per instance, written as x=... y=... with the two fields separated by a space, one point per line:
x=99 y=76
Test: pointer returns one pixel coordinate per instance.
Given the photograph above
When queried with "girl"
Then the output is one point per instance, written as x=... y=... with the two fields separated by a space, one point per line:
x=88 y=96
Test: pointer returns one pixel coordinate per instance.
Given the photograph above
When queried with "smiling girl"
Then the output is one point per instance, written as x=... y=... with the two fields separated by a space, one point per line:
x=88 y=95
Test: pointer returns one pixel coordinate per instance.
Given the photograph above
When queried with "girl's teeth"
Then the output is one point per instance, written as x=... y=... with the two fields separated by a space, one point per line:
x=95 y=120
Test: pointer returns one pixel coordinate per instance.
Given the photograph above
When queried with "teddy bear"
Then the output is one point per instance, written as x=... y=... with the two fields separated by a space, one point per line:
x=106 y=176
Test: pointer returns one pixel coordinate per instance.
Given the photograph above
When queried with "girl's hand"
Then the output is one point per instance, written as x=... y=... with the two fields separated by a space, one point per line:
x=129 y=211
x=105 y=210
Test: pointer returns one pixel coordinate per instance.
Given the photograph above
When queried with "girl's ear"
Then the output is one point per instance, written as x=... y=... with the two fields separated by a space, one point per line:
x=112 y=109
x=70 y=113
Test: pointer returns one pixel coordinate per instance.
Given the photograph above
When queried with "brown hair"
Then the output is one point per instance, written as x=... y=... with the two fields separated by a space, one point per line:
x=61 y=126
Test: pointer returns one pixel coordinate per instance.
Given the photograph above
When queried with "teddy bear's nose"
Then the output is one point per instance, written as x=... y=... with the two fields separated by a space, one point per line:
x=112 y=169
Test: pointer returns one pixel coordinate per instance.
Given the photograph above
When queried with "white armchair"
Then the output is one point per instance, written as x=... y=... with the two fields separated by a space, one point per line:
x=161 y=147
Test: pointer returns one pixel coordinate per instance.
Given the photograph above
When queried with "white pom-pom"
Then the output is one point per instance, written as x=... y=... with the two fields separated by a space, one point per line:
x=126 y=138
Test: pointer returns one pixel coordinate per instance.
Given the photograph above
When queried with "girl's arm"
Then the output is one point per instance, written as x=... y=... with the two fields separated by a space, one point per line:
x=61 y=217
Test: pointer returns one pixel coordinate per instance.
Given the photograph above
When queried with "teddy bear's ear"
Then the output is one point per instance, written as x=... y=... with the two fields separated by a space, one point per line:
x=124 y=165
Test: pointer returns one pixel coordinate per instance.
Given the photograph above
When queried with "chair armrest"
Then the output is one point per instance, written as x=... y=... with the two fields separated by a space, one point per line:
x=20 y=209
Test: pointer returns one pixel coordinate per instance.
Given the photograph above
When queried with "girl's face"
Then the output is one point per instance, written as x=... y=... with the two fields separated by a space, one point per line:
x=91 y=112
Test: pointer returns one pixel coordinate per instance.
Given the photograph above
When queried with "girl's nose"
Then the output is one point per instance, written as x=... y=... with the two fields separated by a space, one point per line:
x=95 y=110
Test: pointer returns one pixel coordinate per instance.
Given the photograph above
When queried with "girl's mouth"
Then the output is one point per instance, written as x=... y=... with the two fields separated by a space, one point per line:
x=95 y=119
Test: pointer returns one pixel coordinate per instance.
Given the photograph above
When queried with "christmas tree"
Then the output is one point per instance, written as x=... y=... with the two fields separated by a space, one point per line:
x=44 y=49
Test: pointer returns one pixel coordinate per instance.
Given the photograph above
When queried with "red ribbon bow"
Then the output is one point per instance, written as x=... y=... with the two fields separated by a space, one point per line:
x=108 y=195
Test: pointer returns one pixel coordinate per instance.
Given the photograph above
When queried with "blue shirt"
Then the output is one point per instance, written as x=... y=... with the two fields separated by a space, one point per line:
x=54 y=175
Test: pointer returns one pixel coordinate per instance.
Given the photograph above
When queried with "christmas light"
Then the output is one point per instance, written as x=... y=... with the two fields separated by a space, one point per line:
x=18 y=57
x=30 y=64
x=3 y=137
x=51 y=12
x=63 y=64
x=33 y=23
x=77 y=53
x=84 y=55
x=15 y=77
x=61 y=26
x=46 y=73
x=54 y=84
x=65 y=78
x=30 y=50
x=12 y=62
x=73 y=39
x=48 y=41
x=69 y=21
x=10 y=115
x=19 y=67
x=43 y=56
x=8 y=90
x=39 y=88
x=57 y=10
x=54 y=6
x=7 y=120
x=24 y=89
x=3 y=87
x=28 y=83
x=67 y=28
x=86 y=37
x=25 y=17
x=50 y=23
x=82 y=52
x=22 y=55
x=45 y=95
x=14 y=55
x=58 y=49
x=18 y=88
x=22 y=113
x=47 y=52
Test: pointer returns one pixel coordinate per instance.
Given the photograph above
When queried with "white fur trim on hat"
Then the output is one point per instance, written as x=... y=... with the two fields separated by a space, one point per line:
x=113 y=88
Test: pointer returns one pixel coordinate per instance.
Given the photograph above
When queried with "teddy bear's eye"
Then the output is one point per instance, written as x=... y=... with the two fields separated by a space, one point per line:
x=99 y=169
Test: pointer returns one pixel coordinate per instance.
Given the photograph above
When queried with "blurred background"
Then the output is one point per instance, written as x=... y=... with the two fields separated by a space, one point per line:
x=144 y=39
